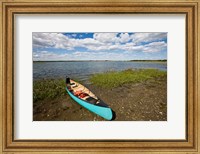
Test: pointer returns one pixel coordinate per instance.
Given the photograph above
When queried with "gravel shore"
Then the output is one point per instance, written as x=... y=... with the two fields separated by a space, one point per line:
x=144 y=101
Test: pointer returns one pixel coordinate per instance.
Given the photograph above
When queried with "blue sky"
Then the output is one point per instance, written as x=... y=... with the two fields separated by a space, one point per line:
x=99 y=46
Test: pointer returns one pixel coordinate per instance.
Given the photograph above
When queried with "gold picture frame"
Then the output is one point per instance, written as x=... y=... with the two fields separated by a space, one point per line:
x=8 y=10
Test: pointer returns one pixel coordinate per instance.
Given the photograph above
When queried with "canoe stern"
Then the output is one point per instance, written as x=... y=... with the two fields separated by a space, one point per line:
x=104 y=112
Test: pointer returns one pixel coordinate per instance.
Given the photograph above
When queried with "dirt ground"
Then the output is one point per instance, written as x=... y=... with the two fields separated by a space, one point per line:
x=146 y=101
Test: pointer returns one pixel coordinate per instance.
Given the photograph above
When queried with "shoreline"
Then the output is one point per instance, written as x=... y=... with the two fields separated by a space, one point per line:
x=140 y=101
x=103 y=61
x=135 y=102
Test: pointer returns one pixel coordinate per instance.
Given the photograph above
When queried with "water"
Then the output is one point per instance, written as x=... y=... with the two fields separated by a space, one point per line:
x=82 y=70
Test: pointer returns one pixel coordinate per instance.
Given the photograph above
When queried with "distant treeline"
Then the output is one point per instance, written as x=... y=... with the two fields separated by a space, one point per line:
x=163 y=60
x=70 y=60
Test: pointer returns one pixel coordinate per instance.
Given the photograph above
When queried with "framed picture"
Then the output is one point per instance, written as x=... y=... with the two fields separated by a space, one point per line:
x=99 y=76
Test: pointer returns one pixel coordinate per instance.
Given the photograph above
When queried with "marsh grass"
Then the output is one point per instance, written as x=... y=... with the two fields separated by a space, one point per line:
x=54 y=88
x=48 y=89
x=116 y=79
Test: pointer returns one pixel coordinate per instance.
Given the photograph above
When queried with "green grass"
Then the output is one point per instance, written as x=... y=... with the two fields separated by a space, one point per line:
x=116 y=79
x=55 y=88
x=48 y=89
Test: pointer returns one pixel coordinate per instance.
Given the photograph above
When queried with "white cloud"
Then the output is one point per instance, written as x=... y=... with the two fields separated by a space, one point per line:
x=155 y=47
x=124 y=37
x=140 y=42
x=147 y=37
x=58 y=40
x=46 y=40
x=105 y=37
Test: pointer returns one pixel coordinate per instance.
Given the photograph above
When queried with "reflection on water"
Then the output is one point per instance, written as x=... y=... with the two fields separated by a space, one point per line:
x=82 y=70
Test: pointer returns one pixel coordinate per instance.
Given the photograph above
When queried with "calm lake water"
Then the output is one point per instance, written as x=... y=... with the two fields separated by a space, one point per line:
x=82 y=70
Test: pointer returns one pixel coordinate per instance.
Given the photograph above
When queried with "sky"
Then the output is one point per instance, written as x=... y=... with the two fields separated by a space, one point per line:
x=99 y=46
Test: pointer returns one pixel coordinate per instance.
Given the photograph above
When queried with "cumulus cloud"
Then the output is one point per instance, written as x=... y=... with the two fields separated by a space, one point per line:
x=147 y=37
x=61 y=41
x=124 y=37
x=47 y=40
x=97 y=45
x=100 y=41
x=105 y=37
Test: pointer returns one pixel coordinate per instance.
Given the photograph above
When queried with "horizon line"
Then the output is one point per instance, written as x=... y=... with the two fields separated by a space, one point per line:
x=96 y=60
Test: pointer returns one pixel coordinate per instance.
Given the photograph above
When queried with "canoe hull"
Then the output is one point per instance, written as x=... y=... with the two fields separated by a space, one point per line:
x=104 y=112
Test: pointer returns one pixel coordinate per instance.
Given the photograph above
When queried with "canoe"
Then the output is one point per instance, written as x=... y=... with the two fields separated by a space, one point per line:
x=88 y=100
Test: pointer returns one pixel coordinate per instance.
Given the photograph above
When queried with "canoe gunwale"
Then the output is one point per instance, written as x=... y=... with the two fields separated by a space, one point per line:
x=108 y=113
x=99 y=107
x=89 y=102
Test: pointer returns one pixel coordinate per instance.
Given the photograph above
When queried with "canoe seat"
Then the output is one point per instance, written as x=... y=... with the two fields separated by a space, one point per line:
x=76 y=88
x=74 y=85
x=91 y=100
